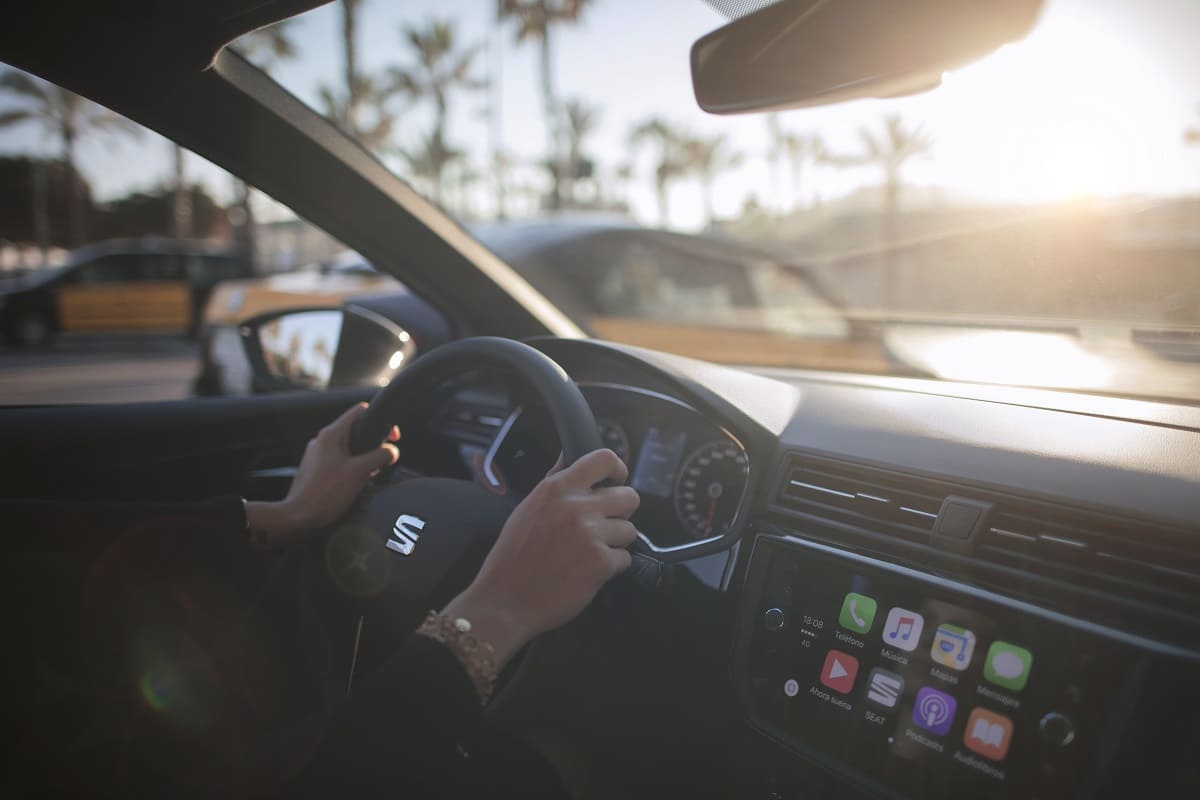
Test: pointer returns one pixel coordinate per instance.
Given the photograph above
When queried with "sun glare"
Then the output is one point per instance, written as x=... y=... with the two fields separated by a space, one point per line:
x=1069 y=112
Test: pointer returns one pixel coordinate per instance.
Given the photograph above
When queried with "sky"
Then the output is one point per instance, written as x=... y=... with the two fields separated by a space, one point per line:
x=1093 y=102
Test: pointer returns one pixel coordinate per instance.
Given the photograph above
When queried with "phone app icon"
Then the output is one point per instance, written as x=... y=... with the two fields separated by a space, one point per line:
x=988 y=734
x=953 y=646
x=858 y=613
x=903 y=629
x=1007 y=665
x=884 y=688
x=934 y=710
x=839 y=671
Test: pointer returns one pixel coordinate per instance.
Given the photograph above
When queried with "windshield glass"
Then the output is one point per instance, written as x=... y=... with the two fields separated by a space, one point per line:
x=1034 y=221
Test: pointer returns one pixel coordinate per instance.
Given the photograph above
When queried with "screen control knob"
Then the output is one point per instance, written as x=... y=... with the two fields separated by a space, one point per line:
x=774 y=619
x=1057 y=729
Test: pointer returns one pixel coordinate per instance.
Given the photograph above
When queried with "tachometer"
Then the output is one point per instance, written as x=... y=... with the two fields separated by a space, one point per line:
x=614 y=438
x=710 y=488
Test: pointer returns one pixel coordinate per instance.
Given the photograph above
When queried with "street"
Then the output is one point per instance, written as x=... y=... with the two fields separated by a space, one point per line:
x=99 y=369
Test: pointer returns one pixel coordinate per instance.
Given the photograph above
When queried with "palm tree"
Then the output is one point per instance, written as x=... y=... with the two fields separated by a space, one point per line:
x=672 y=160
x=895 y=147
x=265 y=48
x=428 y=161
x=69 y=117
x=707 y=158
x=891 y=151
x=535 y=18
x=358 y=92
x=582 y=120
x=790 y=151
x=439 y=70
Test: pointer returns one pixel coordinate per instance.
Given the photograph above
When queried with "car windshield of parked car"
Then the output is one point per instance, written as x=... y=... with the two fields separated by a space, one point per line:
x=1034 y=221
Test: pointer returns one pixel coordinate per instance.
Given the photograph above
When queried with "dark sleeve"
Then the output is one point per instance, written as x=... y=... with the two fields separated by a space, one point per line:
x=416 y=729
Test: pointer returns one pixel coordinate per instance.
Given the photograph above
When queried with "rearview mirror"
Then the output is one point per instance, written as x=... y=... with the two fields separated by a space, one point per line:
x=324 y=348
x=798 y=53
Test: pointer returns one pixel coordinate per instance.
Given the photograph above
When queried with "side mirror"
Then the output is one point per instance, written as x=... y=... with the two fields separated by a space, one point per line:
x=324 y=348
x=796 y=53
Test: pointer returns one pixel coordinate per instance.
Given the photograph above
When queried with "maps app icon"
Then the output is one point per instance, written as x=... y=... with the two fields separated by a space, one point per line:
x=953 y=647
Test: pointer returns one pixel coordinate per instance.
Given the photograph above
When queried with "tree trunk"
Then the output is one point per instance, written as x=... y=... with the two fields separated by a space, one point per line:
x=245 y=233
x=664 y=215
x=181 y=205
x=797 y=175
x=76 y=232
x=891 y=206
x=41 y=209
x=496 y=117
x=350 y=71
x=553 y=130
x=706 y=189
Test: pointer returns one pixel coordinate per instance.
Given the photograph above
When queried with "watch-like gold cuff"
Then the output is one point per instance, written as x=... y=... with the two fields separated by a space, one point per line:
x=478 y=658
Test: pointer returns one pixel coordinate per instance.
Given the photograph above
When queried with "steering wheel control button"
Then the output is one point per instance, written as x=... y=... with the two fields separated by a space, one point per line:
x=774 y=619
x=791 y=687
x=1057 y=729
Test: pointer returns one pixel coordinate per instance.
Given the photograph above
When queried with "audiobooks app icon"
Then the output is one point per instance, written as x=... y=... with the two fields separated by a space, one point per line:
x=988 y=734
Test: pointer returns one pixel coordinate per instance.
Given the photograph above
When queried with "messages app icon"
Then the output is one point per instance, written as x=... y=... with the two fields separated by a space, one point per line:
x=1007 y=665
x=858 y=613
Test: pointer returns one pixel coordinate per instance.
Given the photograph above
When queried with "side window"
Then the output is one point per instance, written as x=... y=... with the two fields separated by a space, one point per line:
x=110 y=269
x=161 y=267
x=647 y=279
x=135 y=255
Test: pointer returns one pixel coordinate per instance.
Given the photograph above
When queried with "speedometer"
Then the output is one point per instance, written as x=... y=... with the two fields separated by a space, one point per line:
x=710 y=488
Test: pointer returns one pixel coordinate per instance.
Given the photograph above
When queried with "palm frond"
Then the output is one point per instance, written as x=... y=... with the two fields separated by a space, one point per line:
x=26 y=86
x=16 y=117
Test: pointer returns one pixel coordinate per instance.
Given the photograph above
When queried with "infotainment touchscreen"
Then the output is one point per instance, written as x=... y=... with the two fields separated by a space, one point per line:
x=911 y=685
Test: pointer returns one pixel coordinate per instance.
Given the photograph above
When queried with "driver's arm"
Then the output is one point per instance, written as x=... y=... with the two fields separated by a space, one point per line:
x=326 y=483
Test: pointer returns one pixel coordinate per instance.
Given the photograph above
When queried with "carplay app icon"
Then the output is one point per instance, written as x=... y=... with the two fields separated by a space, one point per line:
x=858 y=612
x=1007 y=665
x=934 y=710
x=839 y=671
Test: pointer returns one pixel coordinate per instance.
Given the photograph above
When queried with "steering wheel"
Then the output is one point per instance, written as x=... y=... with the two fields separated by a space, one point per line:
x=411 y=545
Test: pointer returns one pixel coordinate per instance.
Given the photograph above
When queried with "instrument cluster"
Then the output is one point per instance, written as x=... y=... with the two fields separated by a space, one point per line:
x=690 y=472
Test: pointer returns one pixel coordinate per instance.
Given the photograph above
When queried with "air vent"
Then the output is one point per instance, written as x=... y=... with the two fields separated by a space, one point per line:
x=903 y=505
x=470 y=421
x=1093 y=547
x=1127 y=557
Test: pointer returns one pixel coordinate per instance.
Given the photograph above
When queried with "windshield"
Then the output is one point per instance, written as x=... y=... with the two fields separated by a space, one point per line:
x=1034 y=221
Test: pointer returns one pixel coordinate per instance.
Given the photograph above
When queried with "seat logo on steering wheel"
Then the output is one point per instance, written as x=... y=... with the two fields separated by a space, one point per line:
x=406 y=534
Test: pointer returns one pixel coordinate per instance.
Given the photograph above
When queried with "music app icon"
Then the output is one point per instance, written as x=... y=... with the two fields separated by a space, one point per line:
x=903 y=629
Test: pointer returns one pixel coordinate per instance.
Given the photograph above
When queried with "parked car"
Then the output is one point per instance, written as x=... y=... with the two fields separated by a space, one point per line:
x=694 y=294
x=118 y=286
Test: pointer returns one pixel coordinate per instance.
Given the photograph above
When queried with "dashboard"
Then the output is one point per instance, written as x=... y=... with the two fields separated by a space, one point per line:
x=903 y=588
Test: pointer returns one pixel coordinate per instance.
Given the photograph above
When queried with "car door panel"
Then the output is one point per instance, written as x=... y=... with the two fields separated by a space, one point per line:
x=178 y=450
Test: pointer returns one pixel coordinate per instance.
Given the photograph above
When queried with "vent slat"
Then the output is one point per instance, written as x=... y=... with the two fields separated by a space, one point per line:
x=905 y=507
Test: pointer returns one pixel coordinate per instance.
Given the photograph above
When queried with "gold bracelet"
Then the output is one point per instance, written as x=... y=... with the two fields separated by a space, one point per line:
x=478 y=658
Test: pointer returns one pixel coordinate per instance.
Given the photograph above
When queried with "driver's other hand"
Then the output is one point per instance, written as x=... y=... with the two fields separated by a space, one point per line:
x=327 y=482
x=561 y=544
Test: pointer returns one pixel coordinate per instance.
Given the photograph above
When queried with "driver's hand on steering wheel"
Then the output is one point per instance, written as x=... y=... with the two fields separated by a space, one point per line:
x=327 y=482
x=564 y=541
